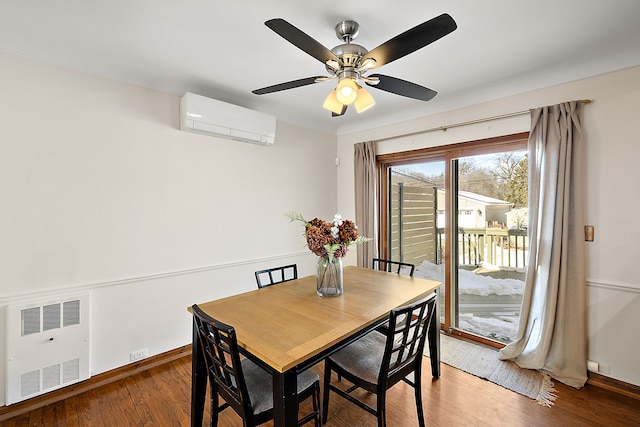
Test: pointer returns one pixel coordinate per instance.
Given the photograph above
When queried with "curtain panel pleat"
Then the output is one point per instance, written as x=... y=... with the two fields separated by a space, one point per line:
x=366 y=181
x=552 y=334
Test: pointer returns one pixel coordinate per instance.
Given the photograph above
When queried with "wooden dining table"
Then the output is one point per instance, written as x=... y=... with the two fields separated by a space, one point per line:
x=287 y=328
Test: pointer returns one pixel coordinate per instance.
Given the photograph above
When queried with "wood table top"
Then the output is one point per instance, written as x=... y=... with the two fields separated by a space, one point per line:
x=288 y=323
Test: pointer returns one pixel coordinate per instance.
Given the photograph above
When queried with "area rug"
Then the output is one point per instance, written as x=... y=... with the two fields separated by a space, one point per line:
x=484 y=362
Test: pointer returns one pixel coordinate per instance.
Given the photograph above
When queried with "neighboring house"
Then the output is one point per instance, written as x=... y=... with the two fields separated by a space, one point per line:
x=476 y=210
x=518 y=218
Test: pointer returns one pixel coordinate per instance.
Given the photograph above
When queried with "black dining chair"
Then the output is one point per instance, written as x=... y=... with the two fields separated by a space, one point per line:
x=271 y=276
x=243 y=385
x=376 y=362
x=389 y=266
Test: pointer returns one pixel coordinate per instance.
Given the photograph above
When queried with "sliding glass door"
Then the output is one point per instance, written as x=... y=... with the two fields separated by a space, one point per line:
x=459 y=213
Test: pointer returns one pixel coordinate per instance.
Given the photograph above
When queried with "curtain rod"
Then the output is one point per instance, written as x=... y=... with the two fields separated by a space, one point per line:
x=470 y=122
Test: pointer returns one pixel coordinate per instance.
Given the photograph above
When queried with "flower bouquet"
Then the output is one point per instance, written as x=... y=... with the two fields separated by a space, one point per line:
x=330 y=241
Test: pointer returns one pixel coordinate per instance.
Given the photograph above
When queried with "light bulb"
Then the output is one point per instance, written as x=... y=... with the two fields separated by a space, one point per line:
x=346 y=91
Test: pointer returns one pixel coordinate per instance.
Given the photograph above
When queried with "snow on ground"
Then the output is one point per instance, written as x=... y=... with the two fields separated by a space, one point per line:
x=498 y=325
x=503 y=329
x=471 y=283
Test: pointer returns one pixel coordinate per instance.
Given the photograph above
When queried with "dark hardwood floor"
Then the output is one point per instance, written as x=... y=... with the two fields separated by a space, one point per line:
x=161 y=396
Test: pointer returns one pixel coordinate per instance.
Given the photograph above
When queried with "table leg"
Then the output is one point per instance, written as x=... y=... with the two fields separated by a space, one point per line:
x=198 y=380
x=434 y=341
x=285 y=399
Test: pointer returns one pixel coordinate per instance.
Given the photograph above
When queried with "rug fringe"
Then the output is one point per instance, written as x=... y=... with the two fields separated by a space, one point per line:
x=547 y=392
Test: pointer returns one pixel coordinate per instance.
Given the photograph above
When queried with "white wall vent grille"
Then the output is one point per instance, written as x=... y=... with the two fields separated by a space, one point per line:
x=47 y=346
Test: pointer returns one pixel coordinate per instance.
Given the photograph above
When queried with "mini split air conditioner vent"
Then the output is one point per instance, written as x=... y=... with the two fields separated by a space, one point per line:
x=216 y=118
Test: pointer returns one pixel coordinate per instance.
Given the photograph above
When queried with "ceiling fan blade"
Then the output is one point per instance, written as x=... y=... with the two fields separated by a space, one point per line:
x=412 y=40
x=402 y=88
x=300 y=39
x=344 y=110
x=288 y=85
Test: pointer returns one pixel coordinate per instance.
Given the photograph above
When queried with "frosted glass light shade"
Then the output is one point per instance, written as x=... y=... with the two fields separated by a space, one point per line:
x=363 y=101
x=346 y=91
x=332 y=104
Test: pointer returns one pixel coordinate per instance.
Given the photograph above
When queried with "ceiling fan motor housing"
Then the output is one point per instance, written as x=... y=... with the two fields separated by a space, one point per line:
x=349 y=54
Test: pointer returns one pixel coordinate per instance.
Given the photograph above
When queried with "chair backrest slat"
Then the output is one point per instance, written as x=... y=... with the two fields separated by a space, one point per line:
x=390 y=266
x=272 y=276
x=406 y=335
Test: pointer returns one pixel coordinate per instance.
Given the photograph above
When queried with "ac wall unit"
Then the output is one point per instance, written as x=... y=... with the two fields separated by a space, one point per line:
x=212 y=117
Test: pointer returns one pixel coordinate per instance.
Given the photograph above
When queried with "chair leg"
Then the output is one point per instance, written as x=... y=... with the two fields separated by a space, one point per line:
x=417 y=380
x=316 y=405
x=214 y=404
x=381 y=407
x=325 y=394
x=315 y=415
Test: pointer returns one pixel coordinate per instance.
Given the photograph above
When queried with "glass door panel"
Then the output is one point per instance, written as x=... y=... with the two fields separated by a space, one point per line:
x=490 y=211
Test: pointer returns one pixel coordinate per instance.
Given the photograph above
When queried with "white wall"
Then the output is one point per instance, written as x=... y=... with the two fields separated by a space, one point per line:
x=102 y=192
x=612 y=153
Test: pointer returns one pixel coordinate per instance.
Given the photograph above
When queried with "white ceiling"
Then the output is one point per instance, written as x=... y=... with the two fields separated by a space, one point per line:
x=222 y=49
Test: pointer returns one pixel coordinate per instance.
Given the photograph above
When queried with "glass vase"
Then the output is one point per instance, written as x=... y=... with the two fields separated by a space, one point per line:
x=329 y=277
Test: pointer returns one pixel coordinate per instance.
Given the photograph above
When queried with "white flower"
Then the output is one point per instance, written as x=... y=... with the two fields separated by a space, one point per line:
x=337 y=222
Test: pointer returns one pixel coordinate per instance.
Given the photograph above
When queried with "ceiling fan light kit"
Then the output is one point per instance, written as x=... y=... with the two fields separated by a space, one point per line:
x=349 y=62
x=336 y=103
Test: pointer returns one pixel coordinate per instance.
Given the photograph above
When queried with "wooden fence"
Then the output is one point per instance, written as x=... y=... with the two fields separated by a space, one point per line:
x=413 y=232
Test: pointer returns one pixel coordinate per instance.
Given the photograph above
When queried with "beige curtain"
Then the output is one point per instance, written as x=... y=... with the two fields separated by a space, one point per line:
x=552 y=334
x=366 y=182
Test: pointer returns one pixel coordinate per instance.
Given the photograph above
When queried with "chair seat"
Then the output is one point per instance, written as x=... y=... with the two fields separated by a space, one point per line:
x=363 y=358
x=260 y=385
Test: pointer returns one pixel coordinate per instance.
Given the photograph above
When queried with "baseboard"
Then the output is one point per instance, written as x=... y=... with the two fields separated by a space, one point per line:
x=614 y=385
x=96 y=381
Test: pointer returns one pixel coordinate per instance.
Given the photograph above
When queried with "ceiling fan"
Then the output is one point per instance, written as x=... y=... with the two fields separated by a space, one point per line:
x=349 y=63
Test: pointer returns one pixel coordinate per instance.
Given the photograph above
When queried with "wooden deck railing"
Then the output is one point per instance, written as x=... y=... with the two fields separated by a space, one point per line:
x=504 y=248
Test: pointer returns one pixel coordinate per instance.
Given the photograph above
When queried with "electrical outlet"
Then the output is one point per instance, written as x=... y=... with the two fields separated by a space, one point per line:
x=604 y=368
x=593 y=366
x=138 y=354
